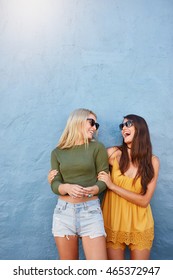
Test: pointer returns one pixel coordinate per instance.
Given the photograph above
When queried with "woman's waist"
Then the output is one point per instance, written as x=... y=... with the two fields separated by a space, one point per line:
x=68 y=198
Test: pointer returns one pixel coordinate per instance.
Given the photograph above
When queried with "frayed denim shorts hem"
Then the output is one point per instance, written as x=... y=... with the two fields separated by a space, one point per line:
x=78 y=219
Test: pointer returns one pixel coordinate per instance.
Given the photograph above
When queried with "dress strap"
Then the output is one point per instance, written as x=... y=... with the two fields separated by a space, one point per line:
x=112 y=152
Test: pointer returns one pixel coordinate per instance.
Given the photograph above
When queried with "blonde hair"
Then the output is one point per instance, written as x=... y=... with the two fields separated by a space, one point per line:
x=75 y=129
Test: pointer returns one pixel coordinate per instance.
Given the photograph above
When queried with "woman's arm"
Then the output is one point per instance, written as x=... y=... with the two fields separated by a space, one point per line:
x=57 y=180
x=101 y=164
x=138 y=199
x=51 y=175
x=87 y=191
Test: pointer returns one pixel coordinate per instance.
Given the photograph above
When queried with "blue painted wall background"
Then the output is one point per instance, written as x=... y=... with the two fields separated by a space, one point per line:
x=113 y=56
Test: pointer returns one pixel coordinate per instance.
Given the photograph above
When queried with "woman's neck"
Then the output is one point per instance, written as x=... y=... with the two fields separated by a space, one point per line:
x=79 y=141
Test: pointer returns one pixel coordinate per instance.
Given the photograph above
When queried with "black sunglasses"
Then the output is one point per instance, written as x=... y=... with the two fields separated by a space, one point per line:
x=92 y=123
x=129 y=123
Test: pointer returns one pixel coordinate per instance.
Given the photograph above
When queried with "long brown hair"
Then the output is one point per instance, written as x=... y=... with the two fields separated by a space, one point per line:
x=141 y=152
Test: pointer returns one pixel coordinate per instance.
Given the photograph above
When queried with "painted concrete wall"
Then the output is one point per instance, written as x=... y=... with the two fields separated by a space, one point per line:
x=113 y=56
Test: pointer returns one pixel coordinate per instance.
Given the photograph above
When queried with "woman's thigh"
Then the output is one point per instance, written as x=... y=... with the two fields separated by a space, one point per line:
x=140 y=254
x=67 y=247
x=94 y=248
x=116 y=254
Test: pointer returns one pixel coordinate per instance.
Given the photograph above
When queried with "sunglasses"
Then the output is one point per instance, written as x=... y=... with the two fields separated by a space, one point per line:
x=127 y=124
x=92 y=123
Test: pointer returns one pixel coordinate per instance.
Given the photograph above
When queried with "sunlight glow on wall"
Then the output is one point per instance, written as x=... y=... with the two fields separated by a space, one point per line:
x=30 y=20
x=31 y=12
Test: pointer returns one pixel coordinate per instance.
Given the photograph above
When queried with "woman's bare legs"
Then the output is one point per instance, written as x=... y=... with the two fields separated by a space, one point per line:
x=119 y=254
x=115 y=254
x=94 y=248
x=140 y=254
x=67 y=247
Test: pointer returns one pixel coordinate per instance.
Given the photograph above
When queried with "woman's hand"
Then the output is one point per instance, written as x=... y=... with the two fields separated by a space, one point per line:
x=75 y=191
x=105 y=177
x=51 y=175
x=91 y=191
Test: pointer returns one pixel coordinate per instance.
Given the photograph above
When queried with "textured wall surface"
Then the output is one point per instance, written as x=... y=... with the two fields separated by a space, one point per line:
x=113 y=56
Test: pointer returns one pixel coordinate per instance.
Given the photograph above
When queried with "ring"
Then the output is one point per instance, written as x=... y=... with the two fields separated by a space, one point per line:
x=90 y=195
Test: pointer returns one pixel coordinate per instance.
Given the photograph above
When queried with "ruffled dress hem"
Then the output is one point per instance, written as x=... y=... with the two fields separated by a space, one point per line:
x=143 y=240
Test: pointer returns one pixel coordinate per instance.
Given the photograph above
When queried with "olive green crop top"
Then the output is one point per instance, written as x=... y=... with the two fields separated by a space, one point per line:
x=79 y=165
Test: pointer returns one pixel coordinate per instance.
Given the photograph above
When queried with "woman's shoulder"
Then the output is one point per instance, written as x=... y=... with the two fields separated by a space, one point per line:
x=155 y=160
x=56 y=151
x=113 y=152
x=97 y=143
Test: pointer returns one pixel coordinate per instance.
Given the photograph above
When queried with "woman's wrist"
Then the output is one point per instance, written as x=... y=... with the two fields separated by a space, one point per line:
x=64 y=189
x=112 y=187
x=96 y=190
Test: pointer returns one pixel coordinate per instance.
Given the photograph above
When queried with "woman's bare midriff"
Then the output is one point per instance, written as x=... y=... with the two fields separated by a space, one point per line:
x=70 y=199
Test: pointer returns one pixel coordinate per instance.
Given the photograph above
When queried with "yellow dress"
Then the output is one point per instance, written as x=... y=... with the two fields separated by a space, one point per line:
x=125 y=222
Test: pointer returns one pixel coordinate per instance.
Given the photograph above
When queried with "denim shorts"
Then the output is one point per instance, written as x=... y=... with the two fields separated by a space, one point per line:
x=81 y=219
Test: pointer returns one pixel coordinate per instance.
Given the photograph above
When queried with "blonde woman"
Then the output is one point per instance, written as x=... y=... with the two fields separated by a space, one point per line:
x=78 y=159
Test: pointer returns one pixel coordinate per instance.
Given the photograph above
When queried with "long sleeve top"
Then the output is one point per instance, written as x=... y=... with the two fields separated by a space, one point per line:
x=79 y=165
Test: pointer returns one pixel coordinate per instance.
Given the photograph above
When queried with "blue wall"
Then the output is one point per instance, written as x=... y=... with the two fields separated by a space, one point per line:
x=113 y=56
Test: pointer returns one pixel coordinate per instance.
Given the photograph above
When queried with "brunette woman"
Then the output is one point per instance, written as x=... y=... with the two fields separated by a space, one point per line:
x=126 y=207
